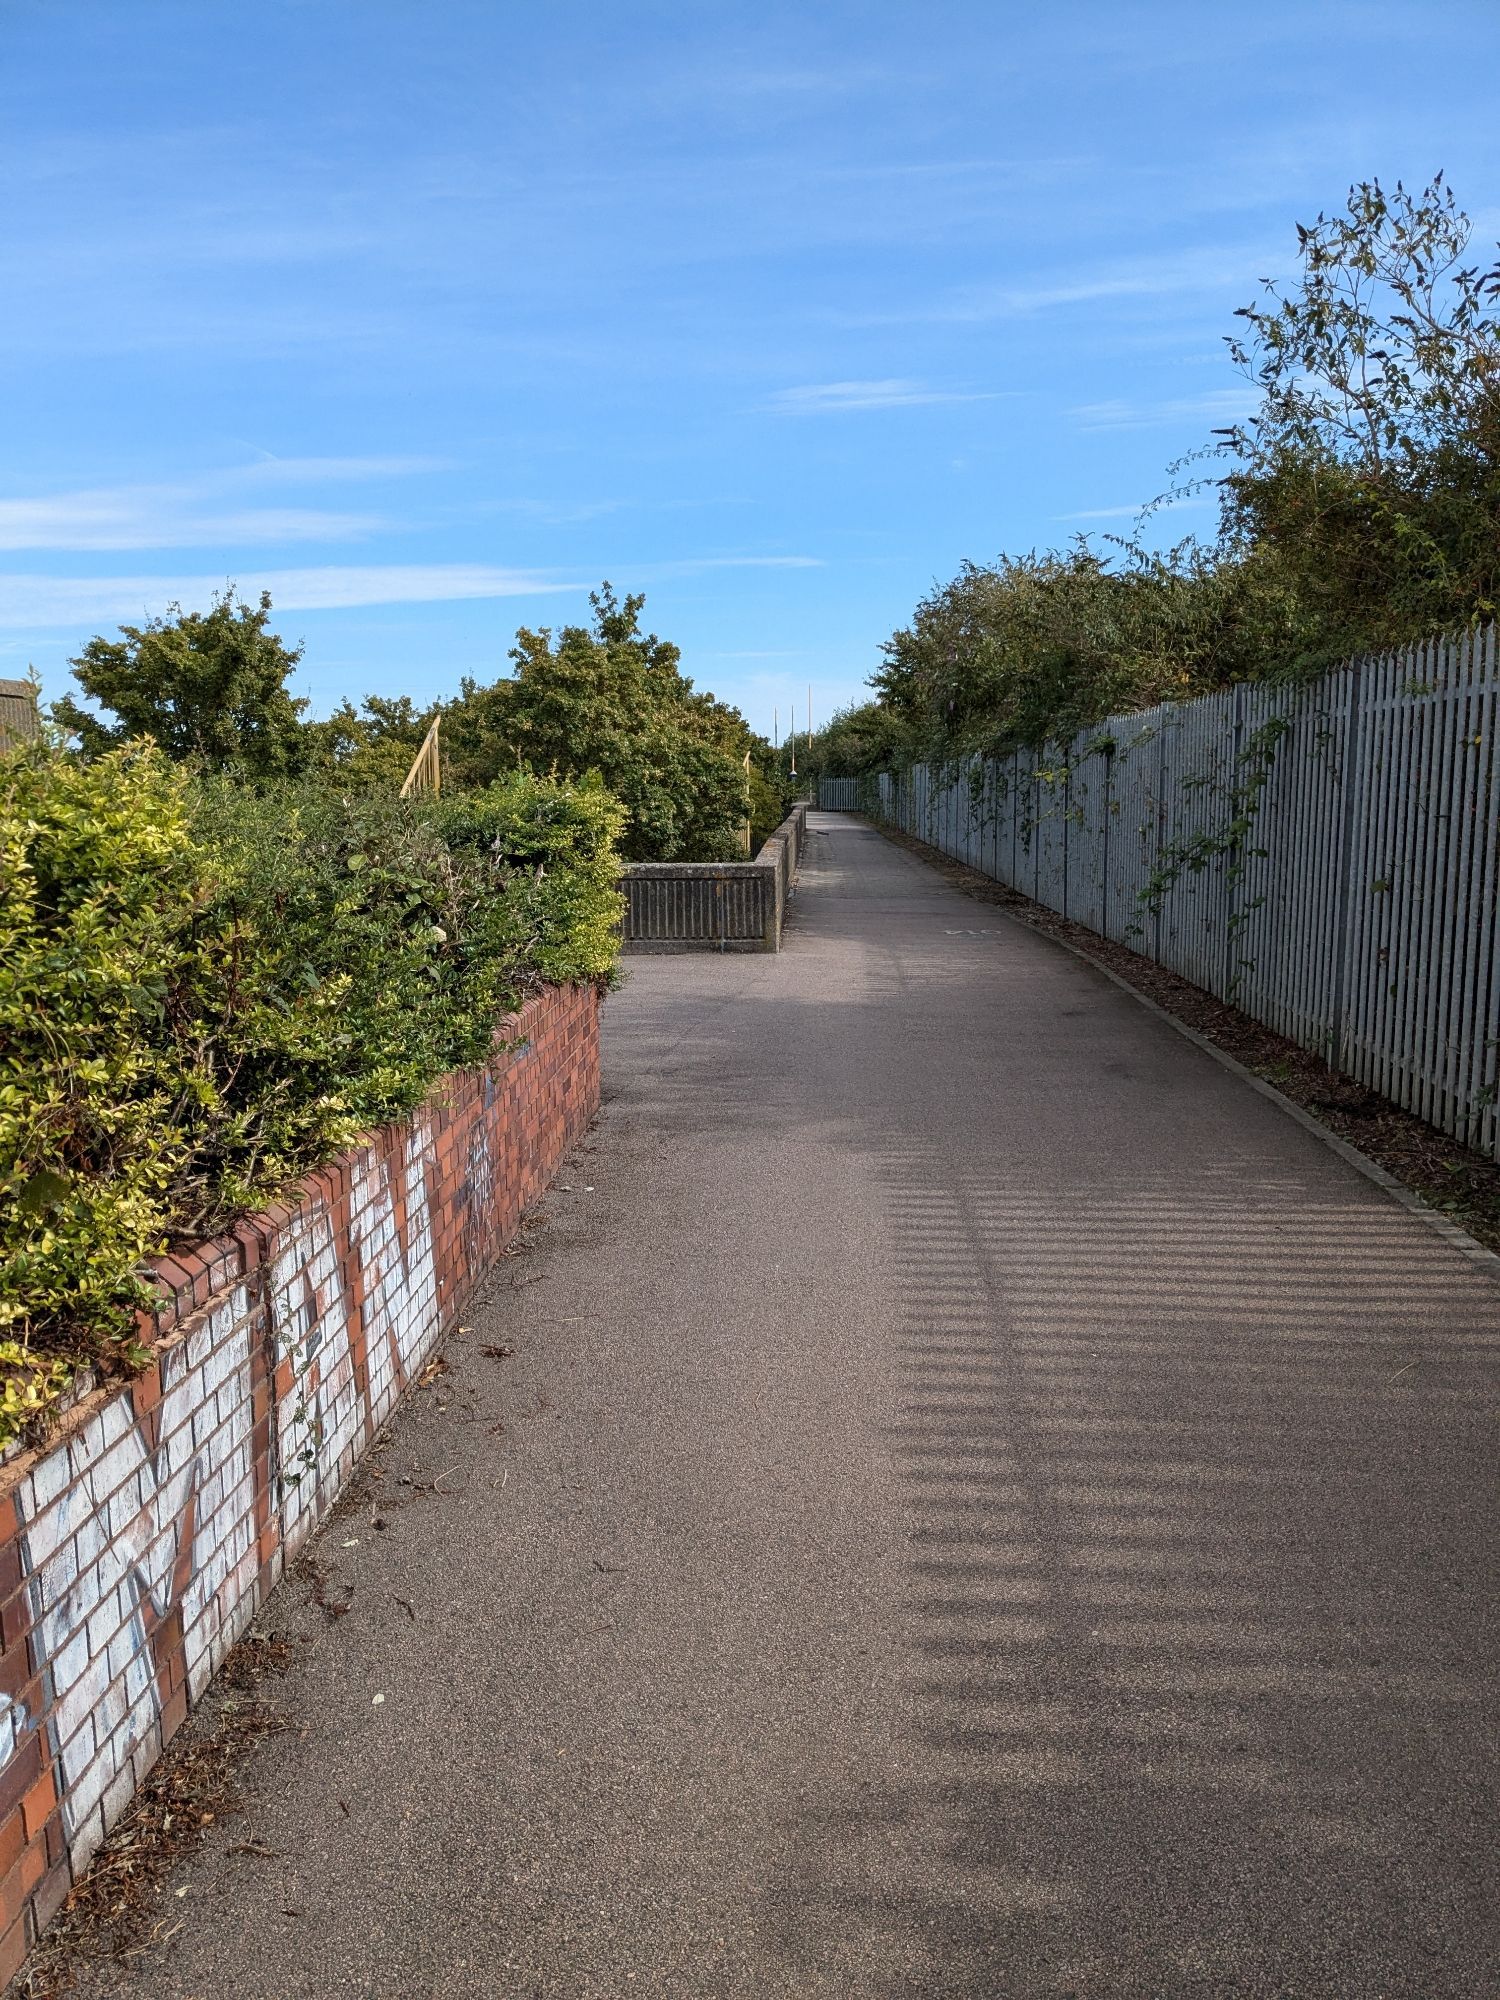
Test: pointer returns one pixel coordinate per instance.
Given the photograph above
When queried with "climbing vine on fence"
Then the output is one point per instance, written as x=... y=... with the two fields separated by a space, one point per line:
x=1250 y=773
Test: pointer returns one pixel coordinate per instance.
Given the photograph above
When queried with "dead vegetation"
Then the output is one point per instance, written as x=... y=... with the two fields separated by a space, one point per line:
x=121 y=1908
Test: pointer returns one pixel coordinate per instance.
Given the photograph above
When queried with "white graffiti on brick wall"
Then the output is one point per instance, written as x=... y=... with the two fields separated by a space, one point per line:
x=391 y=1223
x=15 y=1723
x=352 y=1358
x=479 y=1183
x=322 y=1415
x=140 y=1536
x=115 y=1550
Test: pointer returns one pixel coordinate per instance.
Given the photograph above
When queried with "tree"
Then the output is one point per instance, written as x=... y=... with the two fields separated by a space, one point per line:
x=1360 y=510
x=209 y=687
x=610 y=700
x=370 y=748
x=854 y=742
x=1370 y=473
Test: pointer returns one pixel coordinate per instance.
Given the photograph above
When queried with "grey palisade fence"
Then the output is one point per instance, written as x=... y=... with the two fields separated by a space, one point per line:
x=1325 y=856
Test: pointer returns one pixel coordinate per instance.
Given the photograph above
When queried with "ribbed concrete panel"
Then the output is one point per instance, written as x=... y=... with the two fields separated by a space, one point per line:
x=714 y=905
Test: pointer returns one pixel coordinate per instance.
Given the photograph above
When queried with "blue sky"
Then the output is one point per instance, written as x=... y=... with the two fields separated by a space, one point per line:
x=429 y=316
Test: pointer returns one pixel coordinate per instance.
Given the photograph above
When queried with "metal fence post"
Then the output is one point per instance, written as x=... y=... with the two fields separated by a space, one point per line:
x=1349 y=775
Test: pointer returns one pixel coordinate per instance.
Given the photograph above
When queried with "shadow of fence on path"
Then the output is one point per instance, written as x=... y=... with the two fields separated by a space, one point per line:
x=1173 y=1718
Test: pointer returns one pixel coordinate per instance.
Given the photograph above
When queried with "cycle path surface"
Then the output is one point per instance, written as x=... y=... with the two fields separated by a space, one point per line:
x=973 y=1500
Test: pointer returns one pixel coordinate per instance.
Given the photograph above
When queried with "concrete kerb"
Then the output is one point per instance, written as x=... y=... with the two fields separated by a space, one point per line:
x=1456 y=1238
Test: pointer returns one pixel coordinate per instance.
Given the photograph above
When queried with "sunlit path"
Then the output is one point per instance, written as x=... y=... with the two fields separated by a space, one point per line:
x=980 y=1503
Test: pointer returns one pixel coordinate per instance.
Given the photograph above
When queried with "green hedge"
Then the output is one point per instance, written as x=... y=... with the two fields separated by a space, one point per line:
x=206 y=989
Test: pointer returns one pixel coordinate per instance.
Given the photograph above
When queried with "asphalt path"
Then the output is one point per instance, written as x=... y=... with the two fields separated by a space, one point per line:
x=977 y=1502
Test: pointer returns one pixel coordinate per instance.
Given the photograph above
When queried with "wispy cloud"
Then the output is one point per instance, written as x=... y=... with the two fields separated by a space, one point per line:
x=813 y=81
x=146 y=520
x=1215 y=406
x=552 y=513
x=307 y=471
x=816 y=399
x=692 y=565
x=192 y=513
x=37 y=601
x=1131 y=510
x=1202 y=272
x=32 y=602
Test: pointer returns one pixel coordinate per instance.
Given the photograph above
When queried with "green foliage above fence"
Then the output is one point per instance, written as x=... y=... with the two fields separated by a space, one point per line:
x=206 y=989
x=1359 y=504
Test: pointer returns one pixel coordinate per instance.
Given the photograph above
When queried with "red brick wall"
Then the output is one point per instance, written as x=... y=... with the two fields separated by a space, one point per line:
x=137 y=1545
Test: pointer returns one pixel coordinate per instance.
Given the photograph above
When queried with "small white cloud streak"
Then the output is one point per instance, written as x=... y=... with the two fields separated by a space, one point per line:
x=833 y=398
x=28 y=602
x=34 y=602
x=1130 y=511
x=1196 y=271
x=303 y=471
x=183 y=514
x=1221 y=406
x=694 y=565
x=84 y=521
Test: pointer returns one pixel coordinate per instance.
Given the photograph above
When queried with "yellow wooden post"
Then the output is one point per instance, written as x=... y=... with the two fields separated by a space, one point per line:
x=426 y=773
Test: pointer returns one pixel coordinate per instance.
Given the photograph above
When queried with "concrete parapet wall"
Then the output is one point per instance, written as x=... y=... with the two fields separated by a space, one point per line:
x=715 y=905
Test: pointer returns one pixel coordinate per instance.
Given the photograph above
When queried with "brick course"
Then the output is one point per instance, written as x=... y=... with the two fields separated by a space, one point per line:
x=137 y=1545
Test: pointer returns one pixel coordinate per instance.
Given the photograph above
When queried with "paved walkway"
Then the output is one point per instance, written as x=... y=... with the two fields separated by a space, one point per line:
x=980 y=1504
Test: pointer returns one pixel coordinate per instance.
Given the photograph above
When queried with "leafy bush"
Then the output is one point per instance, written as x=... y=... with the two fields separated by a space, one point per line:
x=770 y=802
x=610 y=699
x=205 y=990
x=1359 y=510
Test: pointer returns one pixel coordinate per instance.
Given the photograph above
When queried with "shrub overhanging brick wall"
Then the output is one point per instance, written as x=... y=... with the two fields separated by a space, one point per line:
x=138 y=1544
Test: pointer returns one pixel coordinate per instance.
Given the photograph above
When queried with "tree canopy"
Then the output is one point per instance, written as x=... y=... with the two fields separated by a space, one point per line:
x=208 y=686
x=610 y=700
x=1359 y=510
x=605 y=701
x=1370 y=472
x=370 y=747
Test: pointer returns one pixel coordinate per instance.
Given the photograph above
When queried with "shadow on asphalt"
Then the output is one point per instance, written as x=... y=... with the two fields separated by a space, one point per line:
x=1196 y=1474
x=1188 y=1728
